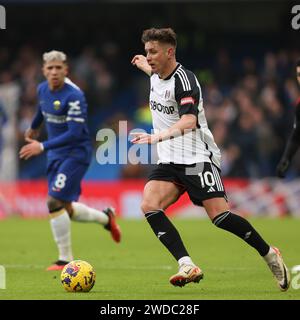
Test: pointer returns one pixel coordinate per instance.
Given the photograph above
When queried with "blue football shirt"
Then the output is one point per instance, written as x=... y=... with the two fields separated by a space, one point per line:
x=65 y=114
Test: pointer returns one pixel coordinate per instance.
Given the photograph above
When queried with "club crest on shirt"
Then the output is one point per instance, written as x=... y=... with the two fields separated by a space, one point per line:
x=56 y=104
x=167 y=94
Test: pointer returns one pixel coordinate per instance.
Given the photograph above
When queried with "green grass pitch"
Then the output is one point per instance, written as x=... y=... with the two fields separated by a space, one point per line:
x=139 y=267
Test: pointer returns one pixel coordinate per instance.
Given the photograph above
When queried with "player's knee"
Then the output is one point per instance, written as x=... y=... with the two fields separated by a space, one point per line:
x=213 y=214
x=215 y=207
x=68 y=206
x=148 y=205
x=54 y=204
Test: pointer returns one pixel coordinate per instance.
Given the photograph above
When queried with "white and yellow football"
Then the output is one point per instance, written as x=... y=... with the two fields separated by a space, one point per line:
x=78 y=276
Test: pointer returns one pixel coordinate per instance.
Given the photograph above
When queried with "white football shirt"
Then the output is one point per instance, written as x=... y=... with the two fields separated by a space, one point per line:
x=171 y=98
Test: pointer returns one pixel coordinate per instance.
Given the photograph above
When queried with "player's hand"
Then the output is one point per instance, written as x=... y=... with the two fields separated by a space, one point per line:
x=282 y=168
x=141 y=62
x=141 y=138
x=33 y=148
x=32 y=133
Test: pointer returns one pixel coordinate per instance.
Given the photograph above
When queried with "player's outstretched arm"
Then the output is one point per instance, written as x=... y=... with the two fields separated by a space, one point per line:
x=140 y=62
x=186 y=123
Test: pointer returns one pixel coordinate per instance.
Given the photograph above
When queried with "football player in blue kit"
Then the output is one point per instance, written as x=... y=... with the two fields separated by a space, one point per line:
x=63 y=108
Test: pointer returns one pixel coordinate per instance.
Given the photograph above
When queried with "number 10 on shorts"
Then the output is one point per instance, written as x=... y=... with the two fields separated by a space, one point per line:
x=206 y=179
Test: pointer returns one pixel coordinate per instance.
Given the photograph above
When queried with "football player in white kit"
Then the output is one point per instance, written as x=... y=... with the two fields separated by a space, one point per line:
x=189 y=159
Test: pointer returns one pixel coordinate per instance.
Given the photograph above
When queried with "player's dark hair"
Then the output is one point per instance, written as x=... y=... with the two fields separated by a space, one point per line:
x=164 y=35
x=298 y=63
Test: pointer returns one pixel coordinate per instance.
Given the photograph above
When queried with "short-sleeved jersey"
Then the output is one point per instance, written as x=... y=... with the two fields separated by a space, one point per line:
x=170 y=98
x=60 y=108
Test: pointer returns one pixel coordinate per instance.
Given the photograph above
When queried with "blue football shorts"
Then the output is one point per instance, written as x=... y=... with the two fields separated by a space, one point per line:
x=64 y=178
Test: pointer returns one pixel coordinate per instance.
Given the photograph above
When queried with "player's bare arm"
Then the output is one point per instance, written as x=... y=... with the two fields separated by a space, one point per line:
x=140 y=62
x=182 y=126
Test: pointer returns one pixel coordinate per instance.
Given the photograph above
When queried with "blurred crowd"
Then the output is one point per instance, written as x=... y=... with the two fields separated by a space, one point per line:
x=249 y=102
x=251 y=110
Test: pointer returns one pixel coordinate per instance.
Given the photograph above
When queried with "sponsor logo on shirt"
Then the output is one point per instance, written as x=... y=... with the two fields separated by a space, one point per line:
x=161 y=108
x=54 y=118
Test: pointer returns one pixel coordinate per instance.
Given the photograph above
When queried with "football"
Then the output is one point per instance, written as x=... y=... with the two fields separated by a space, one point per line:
x=78 y=276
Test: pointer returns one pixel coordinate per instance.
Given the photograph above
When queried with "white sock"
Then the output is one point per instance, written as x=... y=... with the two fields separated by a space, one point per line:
x=185 y=260
x=83 y=213
x=61 y=229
